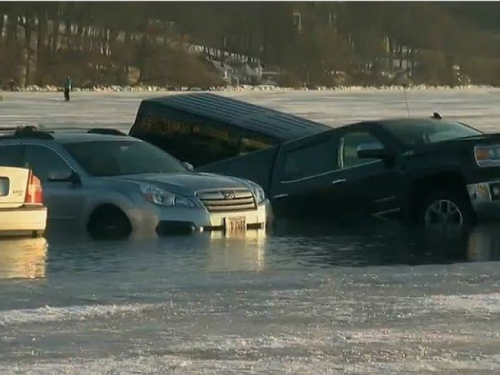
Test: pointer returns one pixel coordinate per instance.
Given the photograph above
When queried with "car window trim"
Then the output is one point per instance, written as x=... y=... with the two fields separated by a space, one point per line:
x=309 y=177
x=302 y=147
x=340 y=156
x=361 y=165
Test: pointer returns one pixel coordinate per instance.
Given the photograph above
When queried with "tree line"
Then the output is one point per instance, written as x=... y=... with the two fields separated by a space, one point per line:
x=307 y=43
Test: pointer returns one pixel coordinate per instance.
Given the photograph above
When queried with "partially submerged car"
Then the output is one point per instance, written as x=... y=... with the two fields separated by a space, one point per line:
x=114 y=185
x=22 y=212
x=204 y=128
x=424 y=170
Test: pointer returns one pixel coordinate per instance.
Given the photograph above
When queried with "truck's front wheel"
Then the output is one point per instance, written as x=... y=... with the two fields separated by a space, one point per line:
x=446 y=209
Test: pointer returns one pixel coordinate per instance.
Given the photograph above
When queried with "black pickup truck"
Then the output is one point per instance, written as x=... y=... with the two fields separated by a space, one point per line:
x=423 y=170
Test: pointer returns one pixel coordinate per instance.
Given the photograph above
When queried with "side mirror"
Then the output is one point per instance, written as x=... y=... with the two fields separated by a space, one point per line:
x=373 y=151
x=188 y=166
x=374 y=154
x=72 y=177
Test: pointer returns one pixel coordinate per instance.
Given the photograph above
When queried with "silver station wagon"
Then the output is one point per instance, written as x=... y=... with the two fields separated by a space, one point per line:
x=115 y=186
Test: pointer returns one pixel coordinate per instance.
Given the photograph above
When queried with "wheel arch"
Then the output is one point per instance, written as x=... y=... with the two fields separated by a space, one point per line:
x=94 y=222
x=103 y=207
x=102 y=202
x=421 y=187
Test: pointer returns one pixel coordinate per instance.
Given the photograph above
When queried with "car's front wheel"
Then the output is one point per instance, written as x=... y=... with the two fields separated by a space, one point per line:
x=109 y=222
x=446 y=209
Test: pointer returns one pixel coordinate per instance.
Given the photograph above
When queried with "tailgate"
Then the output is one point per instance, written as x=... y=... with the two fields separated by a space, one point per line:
x=13 y=184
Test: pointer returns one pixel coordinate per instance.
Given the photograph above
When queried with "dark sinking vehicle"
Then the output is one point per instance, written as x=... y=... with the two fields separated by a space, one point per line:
x=204 y=128
x=422 y=170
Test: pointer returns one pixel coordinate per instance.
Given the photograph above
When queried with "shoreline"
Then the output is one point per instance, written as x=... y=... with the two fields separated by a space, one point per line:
x=246 y=88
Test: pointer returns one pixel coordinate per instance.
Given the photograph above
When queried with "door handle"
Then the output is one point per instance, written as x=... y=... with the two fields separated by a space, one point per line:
x=337 y=182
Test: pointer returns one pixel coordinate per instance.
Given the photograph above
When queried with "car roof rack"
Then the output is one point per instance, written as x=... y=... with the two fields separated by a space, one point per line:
x=107 y=131
x=8 y=129
x=27 y=131
x=31 y=132
x=79 y=129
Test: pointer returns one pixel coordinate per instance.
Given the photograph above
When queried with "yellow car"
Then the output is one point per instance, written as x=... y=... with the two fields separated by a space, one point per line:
x=22 y=211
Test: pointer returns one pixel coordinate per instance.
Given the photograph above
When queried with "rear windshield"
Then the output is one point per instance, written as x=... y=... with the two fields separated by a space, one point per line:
x=116 y=158
x=421 y=132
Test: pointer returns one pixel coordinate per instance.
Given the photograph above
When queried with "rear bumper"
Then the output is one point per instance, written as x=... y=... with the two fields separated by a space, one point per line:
x=170 y=221
x=485 y=200
x=23 y=221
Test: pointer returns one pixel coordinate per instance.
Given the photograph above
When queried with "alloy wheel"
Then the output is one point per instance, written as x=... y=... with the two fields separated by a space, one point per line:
x=443 y=212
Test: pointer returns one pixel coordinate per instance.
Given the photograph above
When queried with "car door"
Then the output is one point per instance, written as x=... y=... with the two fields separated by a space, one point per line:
x=303 y=184
x=64 y=200
x=370 y=186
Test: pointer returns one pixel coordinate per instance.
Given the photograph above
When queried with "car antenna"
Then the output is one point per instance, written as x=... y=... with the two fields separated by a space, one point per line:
x=436 y=116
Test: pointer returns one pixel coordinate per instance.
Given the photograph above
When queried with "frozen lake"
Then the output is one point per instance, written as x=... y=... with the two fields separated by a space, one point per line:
x=376 y=300
x=478 y=107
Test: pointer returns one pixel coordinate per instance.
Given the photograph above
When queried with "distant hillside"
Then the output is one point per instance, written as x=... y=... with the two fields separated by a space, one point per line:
x=202 y=44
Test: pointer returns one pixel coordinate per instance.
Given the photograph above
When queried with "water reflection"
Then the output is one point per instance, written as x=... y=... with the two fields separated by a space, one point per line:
x=243 y=252
x=484 y=244
x=255 y=251
x=23 y=258
x=385 y=244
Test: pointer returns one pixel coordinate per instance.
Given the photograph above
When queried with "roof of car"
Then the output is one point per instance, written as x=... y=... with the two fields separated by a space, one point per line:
x=398 y=121
x=67 y=136
x=73 y=137
x=407 y=120
x=265 y=121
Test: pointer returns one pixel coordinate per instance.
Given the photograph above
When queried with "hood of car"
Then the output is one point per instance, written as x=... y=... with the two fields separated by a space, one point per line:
x=185 y=183
x=481 y=139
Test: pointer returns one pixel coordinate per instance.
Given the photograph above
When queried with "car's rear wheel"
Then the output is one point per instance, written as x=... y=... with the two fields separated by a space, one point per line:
x=109 y=222
x=446 y=210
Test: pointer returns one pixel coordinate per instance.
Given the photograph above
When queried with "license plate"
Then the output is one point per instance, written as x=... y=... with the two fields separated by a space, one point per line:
x=236 y=224
x=4 y=186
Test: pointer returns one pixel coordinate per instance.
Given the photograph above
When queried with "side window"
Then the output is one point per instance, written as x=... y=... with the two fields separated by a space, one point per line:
x=45 y=163
x=310 y=161
x=252 y=144
x=11 y=156
x=351 y=143
x=195 y=140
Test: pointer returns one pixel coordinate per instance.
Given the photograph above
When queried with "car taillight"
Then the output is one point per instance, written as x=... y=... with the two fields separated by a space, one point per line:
x=34 y=192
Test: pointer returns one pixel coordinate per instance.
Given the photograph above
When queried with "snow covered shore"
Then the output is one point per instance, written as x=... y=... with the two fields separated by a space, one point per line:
x=114 y=88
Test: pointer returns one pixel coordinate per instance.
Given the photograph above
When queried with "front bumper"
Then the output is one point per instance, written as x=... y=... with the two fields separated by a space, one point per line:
x=485 y=200
x=157 y=220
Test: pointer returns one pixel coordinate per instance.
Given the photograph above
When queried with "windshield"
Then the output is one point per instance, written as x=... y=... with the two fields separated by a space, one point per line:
x=421 y=132
x=116 y=158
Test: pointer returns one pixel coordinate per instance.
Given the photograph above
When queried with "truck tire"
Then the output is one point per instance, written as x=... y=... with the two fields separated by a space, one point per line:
x=446 y=209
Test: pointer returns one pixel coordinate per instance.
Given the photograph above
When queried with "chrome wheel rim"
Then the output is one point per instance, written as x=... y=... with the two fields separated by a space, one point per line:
x=443 y=213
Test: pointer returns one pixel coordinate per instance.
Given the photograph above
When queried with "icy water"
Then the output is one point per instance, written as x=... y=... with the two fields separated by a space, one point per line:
x=368 y=300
